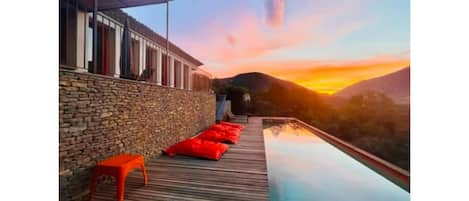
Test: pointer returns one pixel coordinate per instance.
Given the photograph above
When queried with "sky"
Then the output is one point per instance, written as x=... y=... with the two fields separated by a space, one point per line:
x=324 y=45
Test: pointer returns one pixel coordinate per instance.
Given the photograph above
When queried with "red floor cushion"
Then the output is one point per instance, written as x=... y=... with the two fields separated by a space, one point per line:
x=219 y=136
x=238 y=126
x=197 y=147
x=225 y=129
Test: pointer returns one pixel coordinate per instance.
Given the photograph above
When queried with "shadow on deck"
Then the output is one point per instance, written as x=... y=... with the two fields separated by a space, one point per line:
x=241 y=174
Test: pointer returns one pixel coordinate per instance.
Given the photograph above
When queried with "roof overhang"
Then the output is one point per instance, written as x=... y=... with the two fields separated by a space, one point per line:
x=116 y=4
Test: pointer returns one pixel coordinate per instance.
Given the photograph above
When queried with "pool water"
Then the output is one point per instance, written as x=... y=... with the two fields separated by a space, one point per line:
x=302 y=166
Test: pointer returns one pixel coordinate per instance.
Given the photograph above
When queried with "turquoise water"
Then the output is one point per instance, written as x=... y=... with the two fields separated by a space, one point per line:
x=302 y=166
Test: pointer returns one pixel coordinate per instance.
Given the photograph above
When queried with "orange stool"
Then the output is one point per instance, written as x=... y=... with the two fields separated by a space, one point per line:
x=118 y=167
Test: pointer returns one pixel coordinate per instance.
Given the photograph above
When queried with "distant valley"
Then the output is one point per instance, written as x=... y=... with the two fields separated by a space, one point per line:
x=372 y=114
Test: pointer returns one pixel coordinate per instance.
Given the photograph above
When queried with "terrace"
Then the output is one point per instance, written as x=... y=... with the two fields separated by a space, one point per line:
x=240 y=175
x=166 y=98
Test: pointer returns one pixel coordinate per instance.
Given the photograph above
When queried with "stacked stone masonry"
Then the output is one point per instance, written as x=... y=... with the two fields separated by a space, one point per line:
x=102 y=116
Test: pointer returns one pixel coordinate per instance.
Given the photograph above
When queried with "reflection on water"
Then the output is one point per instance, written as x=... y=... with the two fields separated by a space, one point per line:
x=302 y=166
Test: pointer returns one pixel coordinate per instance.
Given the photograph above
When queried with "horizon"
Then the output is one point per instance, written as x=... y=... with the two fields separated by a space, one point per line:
x=310 y=88
x=327 y=45
x=228 y=77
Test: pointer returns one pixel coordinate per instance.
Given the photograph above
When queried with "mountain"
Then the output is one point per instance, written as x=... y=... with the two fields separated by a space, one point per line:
x=259 y=82
x=271 y=96
x=395 y=85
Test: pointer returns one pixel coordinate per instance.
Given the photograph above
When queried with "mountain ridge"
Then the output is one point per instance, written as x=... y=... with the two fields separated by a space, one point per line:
x=258 y=81
x=396 y=85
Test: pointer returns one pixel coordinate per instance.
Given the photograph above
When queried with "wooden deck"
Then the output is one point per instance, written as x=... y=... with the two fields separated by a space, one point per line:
x=241 y=174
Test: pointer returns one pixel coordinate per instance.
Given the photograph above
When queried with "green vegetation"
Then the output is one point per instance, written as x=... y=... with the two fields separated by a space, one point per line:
x=371 y=120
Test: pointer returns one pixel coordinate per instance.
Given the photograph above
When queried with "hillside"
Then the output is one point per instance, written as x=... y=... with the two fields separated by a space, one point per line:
x=272 y=96
x=394 y=85
x=371 y=120
x=259 y=82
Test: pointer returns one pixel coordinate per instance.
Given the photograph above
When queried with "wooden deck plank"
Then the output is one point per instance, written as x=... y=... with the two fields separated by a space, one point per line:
x=241 y=174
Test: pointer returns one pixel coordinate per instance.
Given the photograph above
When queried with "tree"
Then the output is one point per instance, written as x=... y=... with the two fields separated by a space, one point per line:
x=373 y=122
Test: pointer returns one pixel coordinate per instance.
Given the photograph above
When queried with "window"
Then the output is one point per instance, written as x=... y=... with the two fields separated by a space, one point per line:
x=186 y=77
x=164 y=70
x=134 y=58
x=177 y=74
x=67 y=33
x=105 y=50
x=150 y=64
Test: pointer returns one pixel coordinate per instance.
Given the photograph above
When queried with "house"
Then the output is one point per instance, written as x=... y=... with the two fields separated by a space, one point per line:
x=149 y=60
x=166 y=97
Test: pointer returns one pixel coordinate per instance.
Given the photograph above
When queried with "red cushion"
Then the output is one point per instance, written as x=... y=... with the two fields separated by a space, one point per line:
x=225 y=128
x=219 y=136
x=238 y=126
x=198 y=148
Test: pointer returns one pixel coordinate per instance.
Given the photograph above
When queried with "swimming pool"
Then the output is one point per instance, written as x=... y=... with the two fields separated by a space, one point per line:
x=303 y=166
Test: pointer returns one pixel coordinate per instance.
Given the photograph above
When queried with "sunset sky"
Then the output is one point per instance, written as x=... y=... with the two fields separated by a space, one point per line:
x=324 y=45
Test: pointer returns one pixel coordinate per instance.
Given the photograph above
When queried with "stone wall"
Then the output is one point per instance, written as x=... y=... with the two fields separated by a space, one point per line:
x=101 y=116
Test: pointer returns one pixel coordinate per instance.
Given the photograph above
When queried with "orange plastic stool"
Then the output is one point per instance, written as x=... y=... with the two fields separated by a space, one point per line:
x=118 y=167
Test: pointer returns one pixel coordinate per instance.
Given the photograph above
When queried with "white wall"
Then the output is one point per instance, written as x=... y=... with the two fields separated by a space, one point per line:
x=80 y=41
x=87 y=47
x=118 y=32
x=158 y=66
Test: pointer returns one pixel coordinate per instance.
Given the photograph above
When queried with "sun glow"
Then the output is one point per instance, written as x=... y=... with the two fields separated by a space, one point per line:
x=324 y=77
x=331 y=80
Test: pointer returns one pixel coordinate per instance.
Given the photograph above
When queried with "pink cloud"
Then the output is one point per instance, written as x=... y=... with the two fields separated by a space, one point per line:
x=246 y=38
x=275 y=12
